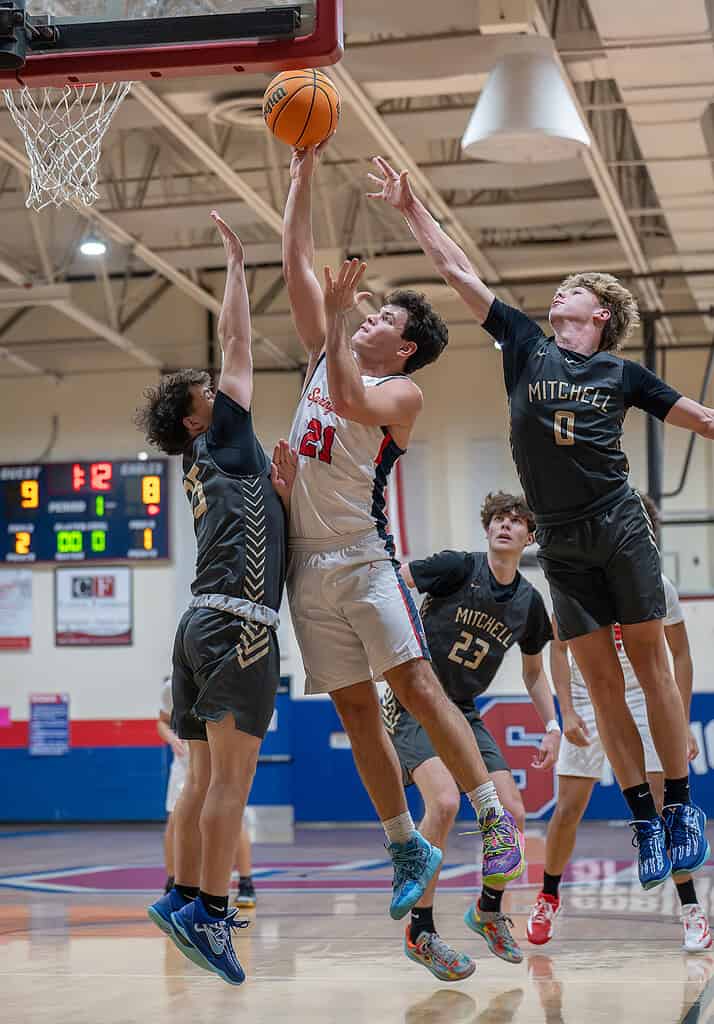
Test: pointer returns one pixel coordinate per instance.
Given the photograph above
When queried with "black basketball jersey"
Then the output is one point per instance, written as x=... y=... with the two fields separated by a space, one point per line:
x=467 y=628
x=567 y=411
x=239 y=521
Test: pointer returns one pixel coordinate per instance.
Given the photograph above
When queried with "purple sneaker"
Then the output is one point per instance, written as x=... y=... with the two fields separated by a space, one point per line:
x=503 y=853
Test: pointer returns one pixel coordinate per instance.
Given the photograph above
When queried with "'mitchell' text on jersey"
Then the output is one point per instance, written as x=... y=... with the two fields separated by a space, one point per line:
x=563 y=391
x=485 y=623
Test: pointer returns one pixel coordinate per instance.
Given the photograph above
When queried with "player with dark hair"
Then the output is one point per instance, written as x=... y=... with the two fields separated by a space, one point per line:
x=225 y=660
x=354 y=618
x=568 y=396
x=477 y=606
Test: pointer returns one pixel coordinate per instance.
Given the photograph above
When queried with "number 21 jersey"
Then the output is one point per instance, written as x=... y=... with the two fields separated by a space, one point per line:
x=343 y=468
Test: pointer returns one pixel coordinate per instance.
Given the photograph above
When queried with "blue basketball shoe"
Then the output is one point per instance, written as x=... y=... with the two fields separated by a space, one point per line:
x=207 y=941
x=415 y=863
x=654 y=865
x=688 y=846
x=160 y=911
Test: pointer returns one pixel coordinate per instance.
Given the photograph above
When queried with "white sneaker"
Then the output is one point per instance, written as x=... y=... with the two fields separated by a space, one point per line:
x=696 y=928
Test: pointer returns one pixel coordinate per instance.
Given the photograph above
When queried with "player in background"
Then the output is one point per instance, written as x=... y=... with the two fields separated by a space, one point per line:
x=354 y=618
x=582 y=760
x=477 y=606
x=225 y=660
x=568 y=396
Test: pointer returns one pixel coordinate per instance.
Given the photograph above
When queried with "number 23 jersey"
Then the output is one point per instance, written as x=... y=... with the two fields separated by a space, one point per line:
x=343 y=468
x=468 y=628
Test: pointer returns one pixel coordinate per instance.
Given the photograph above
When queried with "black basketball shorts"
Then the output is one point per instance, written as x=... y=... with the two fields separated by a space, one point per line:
x=222 y=666
x=603 y=570
x=413 y=746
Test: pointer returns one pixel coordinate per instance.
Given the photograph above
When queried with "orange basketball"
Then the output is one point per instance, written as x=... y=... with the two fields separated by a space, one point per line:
x=301 y=108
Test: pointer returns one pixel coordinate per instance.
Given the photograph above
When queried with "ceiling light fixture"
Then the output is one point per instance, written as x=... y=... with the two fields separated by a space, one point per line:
x=93 y=246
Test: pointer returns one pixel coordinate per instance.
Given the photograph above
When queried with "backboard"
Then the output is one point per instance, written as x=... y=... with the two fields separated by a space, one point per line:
x=79 y=41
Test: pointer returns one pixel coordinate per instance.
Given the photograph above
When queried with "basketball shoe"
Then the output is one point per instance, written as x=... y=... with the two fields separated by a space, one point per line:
x=541 y=919
x=415 y=863
x=493 y=926
x=503 y=850
x=438 y=957
x=697 y=936
x=207 y=940
x=688 y=846
x=246 y=898
x=160 y=911
x=654 y=866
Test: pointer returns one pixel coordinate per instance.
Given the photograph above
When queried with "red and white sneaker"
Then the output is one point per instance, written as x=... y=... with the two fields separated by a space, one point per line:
x=541 y=918
x=697 y=936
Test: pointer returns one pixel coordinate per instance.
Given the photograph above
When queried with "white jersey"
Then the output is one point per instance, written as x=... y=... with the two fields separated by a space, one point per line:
x=672 y=617
x=343 y=468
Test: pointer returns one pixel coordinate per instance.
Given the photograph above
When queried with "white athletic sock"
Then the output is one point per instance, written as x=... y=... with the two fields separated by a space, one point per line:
x=399 y=829
x=484 y=798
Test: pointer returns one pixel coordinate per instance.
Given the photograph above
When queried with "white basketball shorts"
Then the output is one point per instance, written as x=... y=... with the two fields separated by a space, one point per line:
x=589 y=762
x=353 y=615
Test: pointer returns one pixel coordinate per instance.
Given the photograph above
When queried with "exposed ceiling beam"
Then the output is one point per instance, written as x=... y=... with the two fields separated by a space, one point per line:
x=387 y=143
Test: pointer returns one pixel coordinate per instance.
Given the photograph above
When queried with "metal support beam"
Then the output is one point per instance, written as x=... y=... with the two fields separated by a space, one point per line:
x=655 y=454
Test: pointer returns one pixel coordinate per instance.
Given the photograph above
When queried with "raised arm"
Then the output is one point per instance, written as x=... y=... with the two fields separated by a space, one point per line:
x=449 y=259
x=396 y=403
x=692 y=416
x=236 y=379
x=304 y=288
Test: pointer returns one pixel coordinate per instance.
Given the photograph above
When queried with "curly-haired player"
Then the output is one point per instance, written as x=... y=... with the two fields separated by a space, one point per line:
x=225 y=661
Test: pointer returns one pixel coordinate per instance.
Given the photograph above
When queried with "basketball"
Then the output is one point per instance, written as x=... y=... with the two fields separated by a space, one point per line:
x=301 y=108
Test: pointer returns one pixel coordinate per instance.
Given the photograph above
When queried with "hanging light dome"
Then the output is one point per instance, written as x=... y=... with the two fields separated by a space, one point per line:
x=525 y=113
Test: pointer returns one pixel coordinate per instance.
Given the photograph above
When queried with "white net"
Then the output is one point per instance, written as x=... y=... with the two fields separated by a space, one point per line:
x=63 y=130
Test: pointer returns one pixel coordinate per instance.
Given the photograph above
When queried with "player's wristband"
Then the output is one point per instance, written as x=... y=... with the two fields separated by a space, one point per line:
x=552 y=726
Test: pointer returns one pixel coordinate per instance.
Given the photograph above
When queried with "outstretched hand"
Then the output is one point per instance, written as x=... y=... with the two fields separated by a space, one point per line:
x=231 y=242
x=283 y=470
x=304 y=161
x=341 y=293
x=547 y=753
x=394 y=188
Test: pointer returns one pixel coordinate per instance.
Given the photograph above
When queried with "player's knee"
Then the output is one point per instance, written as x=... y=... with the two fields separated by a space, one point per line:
x=444 y=807
x=567 y=814
x=420 y=693
x=515 y=806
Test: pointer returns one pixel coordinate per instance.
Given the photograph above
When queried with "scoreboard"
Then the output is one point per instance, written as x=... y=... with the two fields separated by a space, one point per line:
x=84 y=512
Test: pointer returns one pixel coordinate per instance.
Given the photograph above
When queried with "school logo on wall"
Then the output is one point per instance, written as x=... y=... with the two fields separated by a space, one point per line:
x=516 y=726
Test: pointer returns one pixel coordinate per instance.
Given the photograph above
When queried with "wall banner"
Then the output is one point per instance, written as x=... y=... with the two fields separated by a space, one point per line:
x=15 y=609
x=93 y=607
x=49 y=724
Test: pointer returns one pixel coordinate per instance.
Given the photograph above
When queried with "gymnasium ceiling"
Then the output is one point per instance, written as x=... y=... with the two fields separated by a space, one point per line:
x=640 y=204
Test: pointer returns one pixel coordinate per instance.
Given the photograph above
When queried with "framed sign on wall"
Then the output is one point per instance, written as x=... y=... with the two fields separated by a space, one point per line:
x=93 y=607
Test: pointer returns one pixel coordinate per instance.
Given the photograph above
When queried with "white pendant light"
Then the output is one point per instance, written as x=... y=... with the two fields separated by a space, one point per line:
x=525 y=113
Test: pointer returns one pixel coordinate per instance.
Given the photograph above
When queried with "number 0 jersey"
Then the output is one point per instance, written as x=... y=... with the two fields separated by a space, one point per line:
x=343 y=468
x=567 y=411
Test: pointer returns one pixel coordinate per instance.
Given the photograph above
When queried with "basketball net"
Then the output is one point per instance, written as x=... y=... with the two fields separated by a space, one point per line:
x=63 y=130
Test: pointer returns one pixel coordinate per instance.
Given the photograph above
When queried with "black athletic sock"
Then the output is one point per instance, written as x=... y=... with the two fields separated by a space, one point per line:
x=641 y=803
x=168 y=886
x=551 y=884
x=216 y=906
x=686 y=892
x=245 y=880
x=490 y=901
x=676 y=791
x=422 y=921
x=189 y=892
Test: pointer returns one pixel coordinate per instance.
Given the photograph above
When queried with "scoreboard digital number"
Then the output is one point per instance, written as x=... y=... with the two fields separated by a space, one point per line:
x=84 y=512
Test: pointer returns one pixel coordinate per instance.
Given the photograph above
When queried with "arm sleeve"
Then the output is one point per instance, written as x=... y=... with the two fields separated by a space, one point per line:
x=646 y=391
x=517 y=335
x=674 y=609
x=442 y=573
x=539 y=631
x=231 y=439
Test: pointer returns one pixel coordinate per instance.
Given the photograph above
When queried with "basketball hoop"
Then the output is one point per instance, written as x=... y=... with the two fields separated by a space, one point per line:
x=63 y=130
